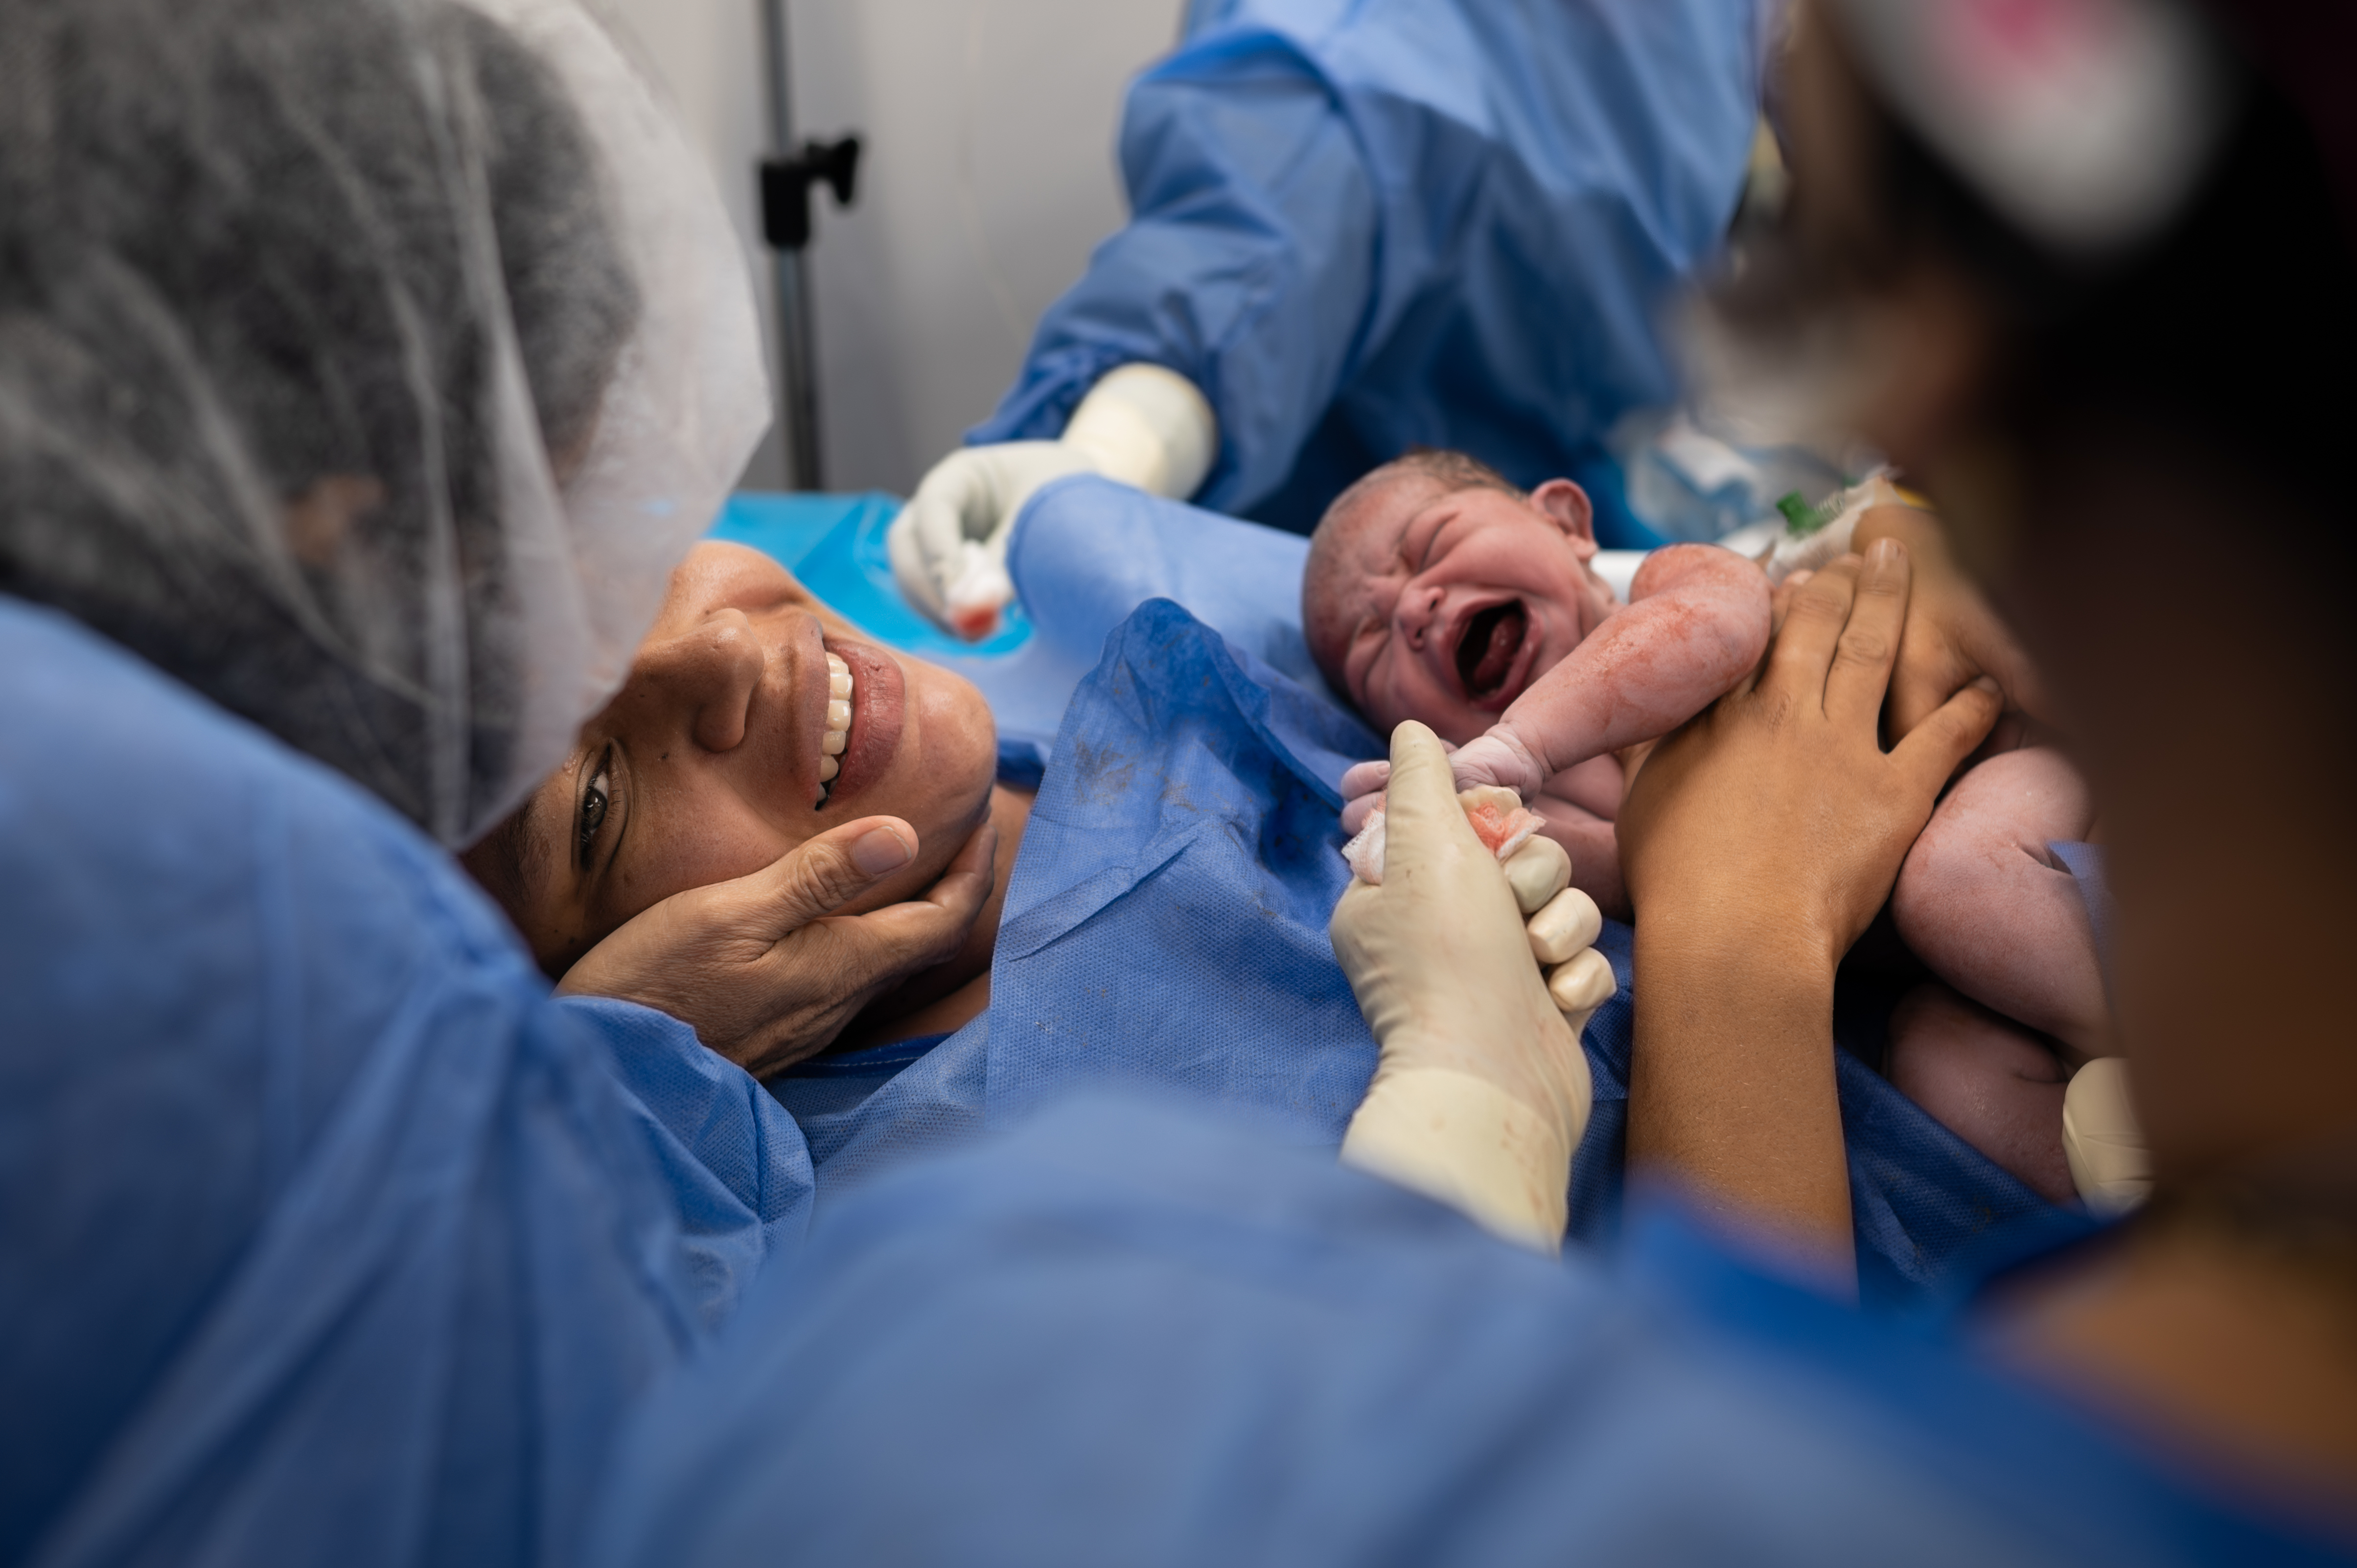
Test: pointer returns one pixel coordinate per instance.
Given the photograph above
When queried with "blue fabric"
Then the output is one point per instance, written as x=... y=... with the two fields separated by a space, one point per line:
x=1166 y=926
x=826 y=1091
x=835 y=544
x=326 y=1236
x=1359 y=224
x=1130 y=1334
x=2085 y=863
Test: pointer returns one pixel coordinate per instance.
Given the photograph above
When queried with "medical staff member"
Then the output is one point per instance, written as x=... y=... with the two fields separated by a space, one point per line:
x=1358 y=228
x=2081 y=251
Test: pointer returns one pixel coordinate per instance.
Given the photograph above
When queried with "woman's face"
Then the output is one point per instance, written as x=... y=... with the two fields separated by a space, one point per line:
x=706 y=765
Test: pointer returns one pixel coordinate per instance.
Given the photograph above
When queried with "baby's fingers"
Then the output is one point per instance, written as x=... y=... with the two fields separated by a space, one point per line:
x=1366 y=777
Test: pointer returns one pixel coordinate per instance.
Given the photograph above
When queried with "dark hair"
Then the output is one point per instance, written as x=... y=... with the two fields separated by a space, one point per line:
x=1451 y=469
x=241 y=253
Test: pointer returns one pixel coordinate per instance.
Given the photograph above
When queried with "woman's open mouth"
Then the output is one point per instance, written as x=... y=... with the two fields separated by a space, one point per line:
x=861 y=731
x=837 y=733
x=1488 y=653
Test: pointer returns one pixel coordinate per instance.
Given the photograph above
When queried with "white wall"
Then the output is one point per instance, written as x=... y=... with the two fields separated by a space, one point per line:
x=988 y=176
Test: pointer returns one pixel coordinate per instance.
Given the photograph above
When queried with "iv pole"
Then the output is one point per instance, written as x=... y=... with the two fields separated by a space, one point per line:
x=787 y=178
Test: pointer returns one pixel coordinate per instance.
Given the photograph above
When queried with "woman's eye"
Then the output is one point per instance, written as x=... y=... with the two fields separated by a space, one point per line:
x=593 y=801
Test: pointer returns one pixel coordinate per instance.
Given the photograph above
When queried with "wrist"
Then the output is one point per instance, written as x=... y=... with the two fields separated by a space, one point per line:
x=1464 y=1142
x=1736 y=936
x=1147 y=426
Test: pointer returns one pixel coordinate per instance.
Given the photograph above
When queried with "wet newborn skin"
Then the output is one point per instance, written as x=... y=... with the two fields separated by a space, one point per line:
x=1476 y=610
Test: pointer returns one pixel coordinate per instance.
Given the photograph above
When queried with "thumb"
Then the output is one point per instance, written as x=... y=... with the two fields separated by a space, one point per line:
x=822 y=874
x=1421 y=800
x=1933 y=749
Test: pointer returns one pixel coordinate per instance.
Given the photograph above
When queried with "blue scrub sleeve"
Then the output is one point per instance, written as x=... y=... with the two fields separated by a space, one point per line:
x=325 y=1235
x=1247 y=266
x=1359 y=227
x=1131 y=1333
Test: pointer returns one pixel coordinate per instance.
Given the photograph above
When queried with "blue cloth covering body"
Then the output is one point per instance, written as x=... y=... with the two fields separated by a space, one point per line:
x=329 y=1237
x=1166 y=926
x=1361 y=224
x=1129 y=1334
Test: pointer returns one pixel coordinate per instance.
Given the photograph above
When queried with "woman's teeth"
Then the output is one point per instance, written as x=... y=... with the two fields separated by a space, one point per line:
x=838 y=723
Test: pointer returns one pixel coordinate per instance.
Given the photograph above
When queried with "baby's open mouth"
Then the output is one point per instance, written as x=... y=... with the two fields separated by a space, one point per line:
x=1485 y=654
x=837 y=733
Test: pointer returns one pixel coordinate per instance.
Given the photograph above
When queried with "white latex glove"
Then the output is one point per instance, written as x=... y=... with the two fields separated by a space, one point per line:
x=2110 y=1163
x=1141 y=424
x=1480 y=1093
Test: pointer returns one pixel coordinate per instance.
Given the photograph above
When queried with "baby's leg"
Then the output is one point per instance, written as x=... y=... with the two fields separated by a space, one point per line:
x=1991 y=1084
x=1595 y=852
x=1983 y=901
x=1579 y=804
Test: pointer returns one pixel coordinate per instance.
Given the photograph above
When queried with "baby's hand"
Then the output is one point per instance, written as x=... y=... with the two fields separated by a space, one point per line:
x=1498 y=760
x=1362 y=791
x=1494 y=760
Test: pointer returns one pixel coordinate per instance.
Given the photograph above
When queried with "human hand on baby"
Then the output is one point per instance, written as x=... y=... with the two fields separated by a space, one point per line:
x=763 y=968
x=1775 y=819
x=1495 y=760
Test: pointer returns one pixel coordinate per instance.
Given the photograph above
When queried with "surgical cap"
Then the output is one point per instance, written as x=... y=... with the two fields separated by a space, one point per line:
x=365 y=365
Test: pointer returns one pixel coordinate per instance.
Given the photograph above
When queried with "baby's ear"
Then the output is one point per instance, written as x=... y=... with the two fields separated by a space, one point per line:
x=1569 y=506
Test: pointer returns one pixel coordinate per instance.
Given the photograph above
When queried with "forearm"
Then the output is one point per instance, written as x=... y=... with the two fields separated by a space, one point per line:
x=1731 y=1091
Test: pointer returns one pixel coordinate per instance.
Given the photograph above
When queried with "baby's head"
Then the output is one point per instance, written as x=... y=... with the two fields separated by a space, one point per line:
x=1436 y=591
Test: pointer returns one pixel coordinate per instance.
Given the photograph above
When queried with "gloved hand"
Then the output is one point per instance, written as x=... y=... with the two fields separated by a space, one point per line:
x=1494 y=758
x=1480 y=1093
x=763 y=969
x=1141 y=424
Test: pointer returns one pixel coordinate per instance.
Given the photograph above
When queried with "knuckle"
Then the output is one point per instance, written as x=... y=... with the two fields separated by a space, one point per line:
x=1865 y=647
x=828 y=877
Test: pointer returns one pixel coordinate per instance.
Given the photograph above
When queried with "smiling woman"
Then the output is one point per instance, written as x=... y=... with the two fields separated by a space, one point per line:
x=754 y=719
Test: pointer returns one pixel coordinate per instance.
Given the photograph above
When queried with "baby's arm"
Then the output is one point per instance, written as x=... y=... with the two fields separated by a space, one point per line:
x=1696 y=621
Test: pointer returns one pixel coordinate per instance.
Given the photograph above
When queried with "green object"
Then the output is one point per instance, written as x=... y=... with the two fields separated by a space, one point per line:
x=1801 y=520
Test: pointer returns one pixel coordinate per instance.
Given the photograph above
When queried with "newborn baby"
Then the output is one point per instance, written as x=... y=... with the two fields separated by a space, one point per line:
x=1436 y=590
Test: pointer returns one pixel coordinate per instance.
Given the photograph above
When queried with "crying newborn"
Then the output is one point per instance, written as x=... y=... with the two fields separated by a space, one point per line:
x=1436 y=591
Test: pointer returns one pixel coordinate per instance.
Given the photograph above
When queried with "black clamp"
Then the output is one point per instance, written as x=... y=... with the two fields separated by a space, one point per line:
x=786 y=188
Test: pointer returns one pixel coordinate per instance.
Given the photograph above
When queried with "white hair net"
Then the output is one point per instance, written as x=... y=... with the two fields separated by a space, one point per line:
x=366 y=365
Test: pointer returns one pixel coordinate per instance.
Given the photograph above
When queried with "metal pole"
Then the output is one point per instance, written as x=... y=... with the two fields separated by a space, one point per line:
x=797 y=378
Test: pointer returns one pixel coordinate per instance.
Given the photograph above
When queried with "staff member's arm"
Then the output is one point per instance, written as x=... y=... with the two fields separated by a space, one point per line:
x=1758 y=843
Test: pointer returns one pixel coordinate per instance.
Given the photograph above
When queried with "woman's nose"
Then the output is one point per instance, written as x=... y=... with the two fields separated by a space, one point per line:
x=702 y=679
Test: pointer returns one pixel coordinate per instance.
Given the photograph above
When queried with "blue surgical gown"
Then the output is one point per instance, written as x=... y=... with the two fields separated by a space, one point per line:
x=1135 y=1334
x=326 y=1235
x=1363 y=224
